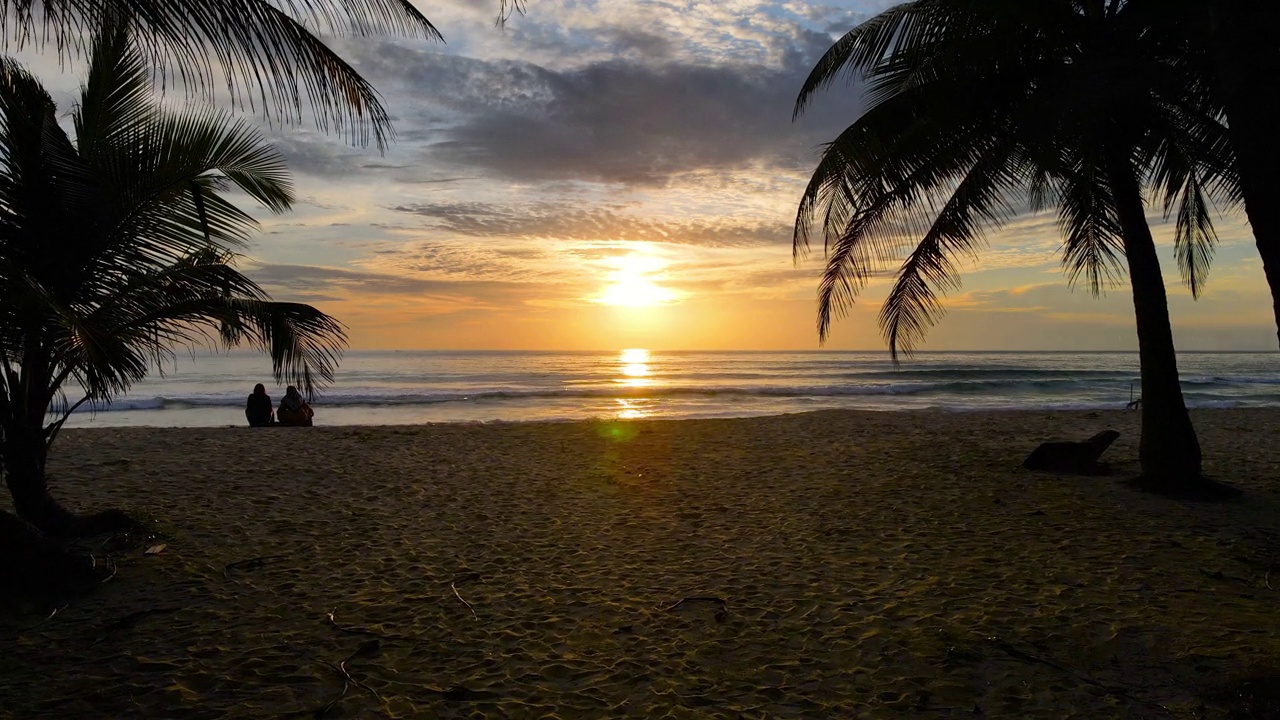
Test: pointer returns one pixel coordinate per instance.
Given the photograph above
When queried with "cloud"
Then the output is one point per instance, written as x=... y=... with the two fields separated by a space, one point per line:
x=568 y=221
x=636 y=118
x=333 y=284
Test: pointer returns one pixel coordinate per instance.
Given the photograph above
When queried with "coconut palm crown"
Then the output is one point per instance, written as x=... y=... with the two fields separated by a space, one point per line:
x=118 y=249
x=974 y=106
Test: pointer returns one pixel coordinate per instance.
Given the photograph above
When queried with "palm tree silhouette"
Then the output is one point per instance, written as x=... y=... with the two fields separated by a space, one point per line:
x=269 y=56
x=117 y=248
x=1233 y=43
x=975 y=105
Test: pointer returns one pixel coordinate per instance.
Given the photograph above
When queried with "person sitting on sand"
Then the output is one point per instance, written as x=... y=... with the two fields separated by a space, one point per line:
x=258 y=409
x=294 y=411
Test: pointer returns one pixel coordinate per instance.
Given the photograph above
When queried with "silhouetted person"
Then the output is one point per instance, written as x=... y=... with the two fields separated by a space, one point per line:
x=258 y=409
x=294 y=411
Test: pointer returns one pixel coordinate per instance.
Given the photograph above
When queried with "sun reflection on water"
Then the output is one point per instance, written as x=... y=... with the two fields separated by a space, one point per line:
x=632 y=356
x=629 y=411
x=634 y=366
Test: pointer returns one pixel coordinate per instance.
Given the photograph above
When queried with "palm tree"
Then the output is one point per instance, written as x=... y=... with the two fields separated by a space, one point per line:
x=116 y=249
x=1234 y=44
x=269 y=55
x=974 y=104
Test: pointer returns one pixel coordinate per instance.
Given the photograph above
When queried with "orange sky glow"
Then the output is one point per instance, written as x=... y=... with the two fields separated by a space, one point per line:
x=628 y=177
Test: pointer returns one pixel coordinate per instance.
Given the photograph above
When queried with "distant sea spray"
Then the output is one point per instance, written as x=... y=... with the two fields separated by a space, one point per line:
x=407 y=387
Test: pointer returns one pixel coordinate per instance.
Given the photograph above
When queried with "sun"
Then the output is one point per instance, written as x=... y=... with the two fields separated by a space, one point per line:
x=636 y=292
x=631 y=285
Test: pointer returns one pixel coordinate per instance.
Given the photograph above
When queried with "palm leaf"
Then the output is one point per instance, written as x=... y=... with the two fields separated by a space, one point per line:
x=978 y=202
x=1093 y=245
x=857 y=50
x=1194 y=236
x=266 y=55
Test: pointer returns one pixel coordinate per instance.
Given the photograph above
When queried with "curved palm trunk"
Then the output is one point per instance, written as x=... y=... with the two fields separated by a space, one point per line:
x=1168 y=451
x=24 y=455
x=1253 y=135
x=32 y=558
x=33 y=562
x=1248 y=66
x=25 y=450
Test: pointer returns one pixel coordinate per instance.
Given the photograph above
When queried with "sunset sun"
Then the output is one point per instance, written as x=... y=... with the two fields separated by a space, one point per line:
x=631 y=284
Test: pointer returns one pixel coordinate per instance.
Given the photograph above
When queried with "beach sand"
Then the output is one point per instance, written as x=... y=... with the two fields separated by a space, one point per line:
x=869 y=564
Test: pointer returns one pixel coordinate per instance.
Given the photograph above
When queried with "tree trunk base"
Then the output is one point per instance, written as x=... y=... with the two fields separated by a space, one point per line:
x=34 y=564
x=100 y=523
x=53 y=519
x=1196 y=488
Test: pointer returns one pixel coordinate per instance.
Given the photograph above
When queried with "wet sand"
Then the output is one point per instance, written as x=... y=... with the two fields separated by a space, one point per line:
x=858 y=565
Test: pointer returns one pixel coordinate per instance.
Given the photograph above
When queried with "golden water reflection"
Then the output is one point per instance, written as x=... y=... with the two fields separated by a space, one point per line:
x=629 y=411
x=632 y=356
x=634 y=366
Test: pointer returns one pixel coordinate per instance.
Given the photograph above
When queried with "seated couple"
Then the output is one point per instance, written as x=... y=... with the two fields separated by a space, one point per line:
x=294 y=411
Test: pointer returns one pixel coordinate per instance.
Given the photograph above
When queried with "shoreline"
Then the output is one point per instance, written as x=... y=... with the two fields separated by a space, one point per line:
x=233 y=417
x=865 y=559
x=412 y=388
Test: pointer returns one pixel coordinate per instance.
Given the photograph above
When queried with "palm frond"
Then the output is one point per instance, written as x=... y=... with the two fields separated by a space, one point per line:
x=199 y=300
x=46 y=190
x=856 y=51
x=116 y=95
x=881 y=182
x=305 y=344
x=979 y=202
x=1093 y=245
x=267 y=56
x=1191 y=165
x=1194 y=238
x=164 y=172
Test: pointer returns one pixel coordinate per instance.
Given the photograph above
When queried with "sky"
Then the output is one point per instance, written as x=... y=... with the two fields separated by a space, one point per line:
x=625 y=173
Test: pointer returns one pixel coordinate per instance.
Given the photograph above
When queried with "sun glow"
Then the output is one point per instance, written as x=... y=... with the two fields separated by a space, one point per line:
x=631 y=285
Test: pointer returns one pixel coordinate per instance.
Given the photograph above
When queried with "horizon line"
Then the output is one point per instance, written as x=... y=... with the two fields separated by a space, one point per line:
x=790 y=350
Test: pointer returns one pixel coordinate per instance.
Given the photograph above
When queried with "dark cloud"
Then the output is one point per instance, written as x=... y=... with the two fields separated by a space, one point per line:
x=645 y=44
x=566 y=221
x=635 y=121
x=314 y=153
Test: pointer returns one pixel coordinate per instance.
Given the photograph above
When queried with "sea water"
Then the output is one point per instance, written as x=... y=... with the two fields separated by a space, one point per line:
x=398 y=387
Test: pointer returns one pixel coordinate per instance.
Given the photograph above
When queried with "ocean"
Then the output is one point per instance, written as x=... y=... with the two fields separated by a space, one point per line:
x=403 y=387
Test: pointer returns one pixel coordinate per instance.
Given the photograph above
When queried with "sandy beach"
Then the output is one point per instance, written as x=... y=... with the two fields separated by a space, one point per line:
x=832 y=565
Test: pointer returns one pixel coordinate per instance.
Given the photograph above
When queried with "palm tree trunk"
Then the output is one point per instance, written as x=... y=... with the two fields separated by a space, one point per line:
x=1248 y=65
x=32 y=563
x=1259 y=155
x=33 y=560
x=1169 y=452
x=24 y=463
x=24 y=453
